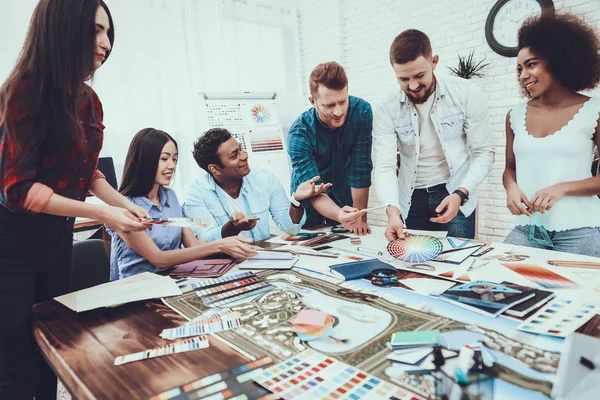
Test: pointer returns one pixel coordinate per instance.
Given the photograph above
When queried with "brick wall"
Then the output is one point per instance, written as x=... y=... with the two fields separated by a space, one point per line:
x=358 y=33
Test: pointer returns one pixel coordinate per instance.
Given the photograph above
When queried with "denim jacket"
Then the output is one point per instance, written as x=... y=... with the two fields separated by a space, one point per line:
x=460 y=116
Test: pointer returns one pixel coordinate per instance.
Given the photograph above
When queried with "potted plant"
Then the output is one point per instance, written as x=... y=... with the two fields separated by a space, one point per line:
x=468 y=67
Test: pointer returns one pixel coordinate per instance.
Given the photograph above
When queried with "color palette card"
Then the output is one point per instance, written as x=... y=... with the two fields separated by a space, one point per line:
x=415 y=249
x=312 y=375
x=404 y=340
x=235 y=383
x=542 y=276
x=220 y=291
x=180 y=222
x=560 y=318
x=195 y=343
x=205 y=324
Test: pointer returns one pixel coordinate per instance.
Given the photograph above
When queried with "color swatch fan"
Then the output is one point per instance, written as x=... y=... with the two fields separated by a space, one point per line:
x=415 y=249
x=260 y=113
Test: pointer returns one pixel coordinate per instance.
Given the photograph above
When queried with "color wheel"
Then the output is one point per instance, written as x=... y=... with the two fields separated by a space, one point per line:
x=260 y=113
x=415 y=249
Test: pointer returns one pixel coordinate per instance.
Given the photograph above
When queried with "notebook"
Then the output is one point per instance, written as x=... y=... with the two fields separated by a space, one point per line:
x=540 y=297
x=487 y=298
x=358 y=269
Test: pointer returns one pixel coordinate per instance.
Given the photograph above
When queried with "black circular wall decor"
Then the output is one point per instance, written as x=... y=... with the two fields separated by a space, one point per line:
x=505 y=19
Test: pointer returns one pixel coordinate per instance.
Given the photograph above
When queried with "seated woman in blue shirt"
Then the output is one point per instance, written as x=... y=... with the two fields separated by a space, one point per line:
x=149 y=167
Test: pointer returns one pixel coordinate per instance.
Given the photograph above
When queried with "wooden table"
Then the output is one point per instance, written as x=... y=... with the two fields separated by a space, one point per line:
x=85 y=224
x=82 y=347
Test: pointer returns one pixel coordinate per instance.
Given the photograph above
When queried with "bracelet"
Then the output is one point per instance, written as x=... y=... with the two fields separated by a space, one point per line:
x=295 y=203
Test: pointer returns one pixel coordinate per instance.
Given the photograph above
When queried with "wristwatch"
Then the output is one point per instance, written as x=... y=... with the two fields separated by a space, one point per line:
x=463 y=197
x=295 y=203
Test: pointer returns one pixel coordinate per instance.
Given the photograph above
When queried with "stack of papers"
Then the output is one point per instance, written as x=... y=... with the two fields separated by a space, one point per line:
x=413 y=350
x=138 y=287
x=270 y=260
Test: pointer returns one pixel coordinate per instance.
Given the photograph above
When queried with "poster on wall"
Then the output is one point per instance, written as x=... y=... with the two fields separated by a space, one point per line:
x=253 y=120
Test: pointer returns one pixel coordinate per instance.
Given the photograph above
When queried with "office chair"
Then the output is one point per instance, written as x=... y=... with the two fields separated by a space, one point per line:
x=107 y=167
x=90 y=264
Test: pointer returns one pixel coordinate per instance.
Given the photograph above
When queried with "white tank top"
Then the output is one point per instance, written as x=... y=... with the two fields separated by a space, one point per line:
x=563 y=156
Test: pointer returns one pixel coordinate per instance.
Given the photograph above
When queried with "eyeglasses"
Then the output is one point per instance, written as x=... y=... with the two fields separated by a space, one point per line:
x=534 y=223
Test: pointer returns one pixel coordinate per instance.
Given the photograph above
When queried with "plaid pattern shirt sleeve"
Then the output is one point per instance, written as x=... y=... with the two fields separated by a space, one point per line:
x=359 y=175
x=300 y=150
x=29 y=177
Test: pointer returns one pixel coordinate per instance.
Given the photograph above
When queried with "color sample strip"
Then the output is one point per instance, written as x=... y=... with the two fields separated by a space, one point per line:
x=180 y=222
x=235 y=383
x=220 y=291
x=559 y=318
x=415 y=249
x=312 y=375
x=322 y=239
x=215 y=323
x=195 y=343
x=542 y=276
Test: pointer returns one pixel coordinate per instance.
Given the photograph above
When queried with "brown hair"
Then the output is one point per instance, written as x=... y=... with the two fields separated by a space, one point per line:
x=329 y=74
x=142 y=161
x=408 y=46
x=58 y=55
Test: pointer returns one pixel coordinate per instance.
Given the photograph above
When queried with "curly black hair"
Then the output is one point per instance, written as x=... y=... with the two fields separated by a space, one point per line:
x=205 y=148
x=569 y=45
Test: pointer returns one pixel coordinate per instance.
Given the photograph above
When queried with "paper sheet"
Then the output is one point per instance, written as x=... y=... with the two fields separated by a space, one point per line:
x=573 y=379
x=138 y=287
x=427 y=286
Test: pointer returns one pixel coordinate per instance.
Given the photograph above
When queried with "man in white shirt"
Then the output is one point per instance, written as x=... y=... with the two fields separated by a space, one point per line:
x=439 y=126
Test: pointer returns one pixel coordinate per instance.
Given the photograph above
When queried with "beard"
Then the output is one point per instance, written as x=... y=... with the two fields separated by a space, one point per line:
x=427 y=93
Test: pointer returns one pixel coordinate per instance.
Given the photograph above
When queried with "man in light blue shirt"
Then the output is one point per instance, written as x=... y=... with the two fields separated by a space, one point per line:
x=238 y=201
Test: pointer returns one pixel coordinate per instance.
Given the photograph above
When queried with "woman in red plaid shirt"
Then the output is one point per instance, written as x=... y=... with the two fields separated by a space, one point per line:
x=50 y=138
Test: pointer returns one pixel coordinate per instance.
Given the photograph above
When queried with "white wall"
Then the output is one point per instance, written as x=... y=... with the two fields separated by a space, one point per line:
x=168 y=51
x=358 y=34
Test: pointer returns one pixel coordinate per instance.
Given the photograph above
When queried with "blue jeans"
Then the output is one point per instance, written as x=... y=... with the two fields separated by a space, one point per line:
x=423 y=205
x=584 y=241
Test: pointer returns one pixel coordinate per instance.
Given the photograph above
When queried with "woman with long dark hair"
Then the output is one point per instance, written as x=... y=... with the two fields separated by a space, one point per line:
x=50 y=138
x=149 y=168
x=550 y=139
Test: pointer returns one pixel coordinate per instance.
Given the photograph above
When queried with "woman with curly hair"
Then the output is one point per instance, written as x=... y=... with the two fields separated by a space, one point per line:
x=550 y=139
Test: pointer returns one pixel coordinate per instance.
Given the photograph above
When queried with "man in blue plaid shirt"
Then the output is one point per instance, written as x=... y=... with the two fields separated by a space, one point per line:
x=333 y=140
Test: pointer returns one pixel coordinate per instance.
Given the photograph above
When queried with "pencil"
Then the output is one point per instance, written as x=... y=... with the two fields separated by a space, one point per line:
x=575 y=264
